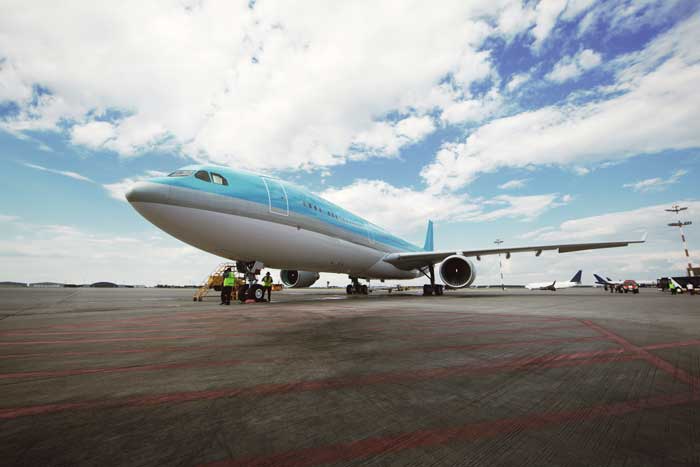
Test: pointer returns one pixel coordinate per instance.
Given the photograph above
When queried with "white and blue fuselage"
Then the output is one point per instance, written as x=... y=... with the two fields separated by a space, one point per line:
x=245 y=216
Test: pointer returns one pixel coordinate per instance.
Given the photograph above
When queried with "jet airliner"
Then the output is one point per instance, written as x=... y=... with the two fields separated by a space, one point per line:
x=554 y=285
x=261 y=221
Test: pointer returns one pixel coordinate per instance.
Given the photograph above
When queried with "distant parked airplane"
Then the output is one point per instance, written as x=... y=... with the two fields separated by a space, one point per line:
x=607 y=282
x=554 y=286
x=259 y=220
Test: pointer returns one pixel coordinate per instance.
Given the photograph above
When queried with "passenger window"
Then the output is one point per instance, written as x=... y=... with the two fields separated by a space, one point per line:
x=203 y=175
x=218 y=179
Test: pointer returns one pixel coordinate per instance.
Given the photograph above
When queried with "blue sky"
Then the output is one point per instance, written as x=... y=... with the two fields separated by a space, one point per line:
x=530 y=121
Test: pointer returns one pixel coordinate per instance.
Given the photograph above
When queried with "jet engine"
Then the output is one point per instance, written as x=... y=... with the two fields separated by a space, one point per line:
x=298 y=279
x=457 y=271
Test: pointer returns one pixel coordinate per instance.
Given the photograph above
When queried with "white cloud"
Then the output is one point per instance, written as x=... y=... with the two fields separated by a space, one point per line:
x=300 y=85
x=573 y=67
x=651 y=219
x=92 y=134
x=656 y=183
x=515 y=18
x=415 y=128
x=118 y=189
x=655 y=107
x=575 y=8
x=64 y=253
x=406 y=210
x=386 y=139
x=660 y=256
x=547 y=14
x=65 y=173
x=403 y=210
x=513 y=184
x=517 y=80
x=6 y=218
x=472 y=110
x=526 y=208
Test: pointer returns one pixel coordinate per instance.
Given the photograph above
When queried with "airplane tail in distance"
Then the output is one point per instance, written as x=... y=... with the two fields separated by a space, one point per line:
x=599 y=279
x=577 y=277
x=429 y=237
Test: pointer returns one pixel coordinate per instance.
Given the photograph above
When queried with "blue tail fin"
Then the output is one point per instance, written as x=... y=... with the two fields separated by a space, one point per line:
x=577 y=277
x=429 y=237
x=599 y=279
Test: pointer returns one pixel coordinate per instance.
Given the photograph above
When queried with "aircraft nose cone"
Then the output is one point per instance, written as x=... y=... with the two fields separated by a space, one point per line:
x=148 y=192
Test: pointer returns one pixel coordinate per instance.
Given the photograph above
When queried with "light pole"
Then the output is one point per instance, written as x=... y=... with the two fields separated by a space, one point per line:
x=677 y=209
x=498 y=242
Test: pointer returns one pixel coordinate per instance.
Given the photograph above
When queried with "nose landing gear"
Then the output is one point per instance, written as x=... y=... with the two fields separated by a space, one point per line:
x=251 y=290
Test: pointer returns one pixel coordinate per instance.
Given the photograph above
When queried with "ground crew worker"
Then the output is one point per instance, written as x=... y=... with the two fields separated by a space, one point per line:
x=228 y=285
x=672 y=287
x=691 y=288
x=267 y=284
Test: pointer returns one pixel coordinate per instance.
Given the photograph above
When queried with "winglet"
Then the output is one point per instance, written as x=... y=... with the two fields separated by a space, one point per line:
x=644 y=237
x=428 y=246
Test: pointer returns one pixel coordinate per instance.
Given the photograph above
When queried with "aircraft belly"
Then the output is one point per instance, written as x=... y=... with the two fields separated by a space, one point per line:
x=276 y=245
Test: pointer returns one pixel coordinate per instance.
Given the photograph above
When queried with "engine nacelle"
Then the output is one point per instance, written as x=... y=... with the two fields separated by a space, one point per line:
x=298 y=279
x=457 y=271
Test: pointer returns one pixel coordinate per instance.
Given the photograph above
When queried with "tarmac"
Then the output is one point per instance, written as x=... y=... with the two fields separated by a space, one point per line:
x=578 y=377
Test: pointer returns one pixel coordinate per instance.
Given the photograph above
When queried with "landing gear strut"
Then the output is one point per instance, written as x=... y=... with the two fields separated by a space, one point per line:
x=432 y=288
x=356 y=288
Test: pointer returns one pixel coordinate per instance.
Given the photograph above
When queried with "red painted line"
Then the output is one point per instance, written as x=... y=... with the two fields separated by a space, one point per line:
x=494 y=331
x=124 y=351
x=120 y=339
x=503 y=345
x=164 y=323
x=477 y=322
x=365 y=448
x=129 y=369
x=672 y=345
x=557 y=361
x=99 y=332
x=658 y=362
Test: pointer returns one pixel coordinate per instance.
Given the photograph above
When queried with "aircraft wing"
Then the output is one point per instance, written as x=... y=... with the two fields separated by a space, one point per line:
x=420 y=259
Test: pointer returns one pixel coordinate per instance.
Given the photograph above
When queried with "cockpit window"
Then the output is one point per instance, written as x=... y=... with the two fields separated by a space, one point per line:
x=218 y=179
x=181 y=173
x=203 y=175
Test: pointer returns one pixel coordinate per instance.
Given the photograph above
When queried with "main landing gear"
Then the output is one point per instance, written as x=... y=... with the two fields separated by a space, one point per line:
x=251 y=290
x=432 y=288
x=356 y=288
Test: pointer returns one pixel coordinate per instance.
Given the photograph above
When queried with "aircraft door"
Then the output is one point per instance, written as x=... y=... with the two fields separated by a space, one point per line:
x=276 y=196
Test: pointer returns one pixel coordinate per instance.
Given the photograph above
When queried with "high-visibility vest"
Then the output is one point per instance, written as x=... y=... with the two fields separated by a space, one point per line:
x=267 y=281
x=230 y=280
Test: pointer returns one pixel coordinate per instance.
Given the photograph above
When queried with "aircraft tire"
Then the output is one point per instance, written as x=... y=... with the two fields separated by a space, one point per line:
x=364 y=290
x=348 y=289
x=256 y=292
x=243 y=293
x=427 y=290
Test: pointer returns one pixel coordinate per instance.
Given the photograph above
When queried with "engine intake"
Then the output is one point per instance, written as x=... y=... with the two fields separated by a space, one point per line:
x=457 y=271
x=298 y=279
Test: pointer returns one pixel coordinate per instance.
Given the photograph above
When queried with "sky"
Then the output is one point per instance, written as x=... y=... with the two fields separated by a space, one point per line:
x=532 y=122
